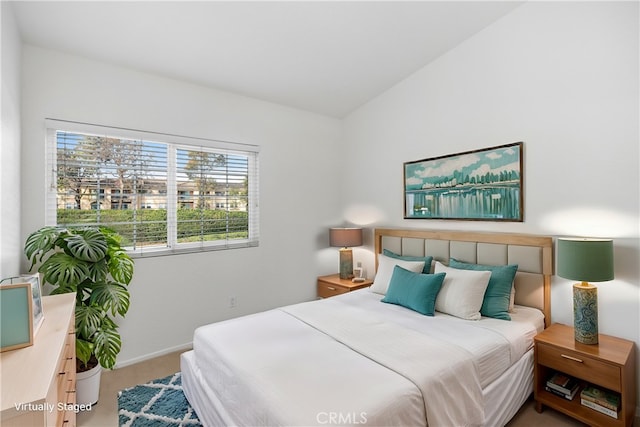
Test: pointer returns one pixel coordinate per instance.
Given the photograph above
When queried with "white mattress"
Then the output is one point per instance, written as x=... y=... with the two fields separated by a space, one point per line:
x=235 y=374
x=495 y=344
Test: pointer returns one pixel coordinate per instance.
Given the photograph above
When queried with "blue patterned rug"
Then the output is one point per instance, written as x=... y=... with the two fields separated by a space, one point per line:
x=160 y=403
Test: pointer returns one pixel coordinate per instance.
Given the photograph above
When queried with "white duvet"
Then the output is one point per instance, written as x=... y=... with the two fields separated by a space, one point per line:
x=352 y=360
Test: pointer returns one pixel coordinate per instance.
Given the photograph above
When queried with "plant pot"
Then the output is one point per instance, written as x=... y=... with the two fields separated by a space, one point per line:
x=88 y=386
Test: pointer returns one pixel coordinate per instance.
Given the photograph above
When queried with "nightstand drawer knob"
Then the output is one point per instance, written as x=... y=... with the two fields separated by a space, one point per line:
x=575 y=359
x=331 y=288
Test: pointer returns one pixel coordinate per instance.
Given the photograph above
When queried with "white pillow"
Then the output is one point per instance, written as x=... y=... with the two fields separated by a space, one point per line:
x=385 y=270
x=462 y=291
x=512 y=298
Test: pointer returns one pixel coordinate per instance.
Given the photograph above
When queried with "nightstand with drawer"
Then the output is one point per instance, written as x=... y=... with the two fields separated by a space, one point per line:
x=329 y=286
x=610 y=364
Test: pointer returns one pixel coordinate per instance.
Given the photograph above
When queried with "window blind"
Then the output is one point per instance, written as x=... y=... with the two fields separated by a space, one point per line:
x=162 y=193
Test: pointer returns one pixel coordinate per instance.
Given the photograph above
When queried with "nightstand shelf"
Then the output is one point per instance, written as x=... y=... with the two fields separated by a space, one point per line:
x=329 y=286
x=609 y=364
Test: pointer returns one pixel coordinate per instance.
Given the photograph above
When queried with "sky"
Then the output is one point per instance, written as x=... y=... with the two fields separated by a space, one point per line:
x=473 y=164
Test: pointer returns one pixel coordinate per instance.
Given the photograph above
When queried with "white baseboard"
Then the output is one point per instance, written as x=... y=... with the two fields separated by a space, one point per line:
x=182 y=347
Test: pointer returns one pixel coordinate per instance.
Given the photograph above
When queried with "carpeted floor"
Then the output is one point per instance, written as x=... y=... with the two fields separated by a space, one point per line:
x=160 y=403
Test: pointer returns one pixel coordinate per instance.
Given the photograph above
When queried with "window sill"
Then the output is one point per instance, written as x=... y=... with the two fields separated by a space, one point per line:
x=157 y=252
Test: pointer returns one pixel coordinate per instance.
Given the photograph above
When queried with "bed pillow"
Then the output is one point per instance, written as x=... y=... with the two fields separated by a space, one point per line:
x=427 y=259
x=497 y=298
x=462 y=292
x=414 y=291
x=385 y=270
x=512 y=299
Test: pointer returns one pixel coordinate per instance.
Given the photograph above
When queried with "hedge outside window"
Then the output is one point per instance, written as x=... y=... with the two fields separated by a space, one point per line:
x=162 y=193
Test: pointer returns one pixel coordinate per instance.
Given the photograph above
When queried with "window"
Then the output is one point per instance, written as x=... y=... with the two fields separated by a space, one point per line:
x=162 y=193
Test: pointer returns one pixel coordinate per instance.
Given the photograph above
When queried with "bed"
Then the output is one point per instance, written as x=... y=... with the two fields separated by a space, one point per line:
x=354 y=360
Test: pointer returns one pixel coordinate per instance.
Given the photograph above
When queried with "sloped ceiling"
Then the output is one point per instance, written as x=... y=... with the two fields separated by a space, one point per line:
x=325 y=57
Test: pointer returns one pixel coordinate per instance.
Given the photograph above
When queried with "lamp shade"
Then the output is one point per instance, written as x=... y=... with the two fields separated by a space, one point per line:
x=345 y=237
x=586 y=260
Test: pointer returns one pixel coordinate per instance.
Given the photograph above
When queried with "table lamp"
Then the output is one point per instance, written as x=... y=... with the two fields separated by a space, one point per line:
x=586 y=260
x=345 y=239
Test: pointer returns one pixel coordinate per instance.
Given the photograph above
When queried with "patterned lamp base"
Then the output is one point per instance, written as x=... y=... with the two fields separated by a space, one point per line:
x=585 y=313
x=346 y=263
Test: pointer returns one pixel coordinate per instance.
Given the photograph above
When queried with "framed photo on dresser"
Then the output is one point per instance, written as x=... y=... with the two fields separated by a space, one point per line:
x=36 y=296
x=16 y=316
x=37 y=313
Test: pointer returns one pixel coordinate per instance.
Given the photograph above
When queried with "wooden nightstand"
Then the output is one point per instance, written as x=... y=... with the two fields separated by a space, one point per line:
x=610 y=364
x=329 y=286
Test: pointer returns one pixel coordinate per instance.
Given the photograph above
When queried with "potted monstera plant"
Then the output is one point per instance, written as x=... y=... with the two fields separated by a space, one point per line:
x=91 y=262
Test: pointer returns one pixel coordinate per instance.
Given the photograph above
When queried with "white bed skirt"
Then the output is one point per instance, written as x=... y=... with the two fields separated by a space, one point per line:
x=210 y=410
x=506 y=395
x=503 y=397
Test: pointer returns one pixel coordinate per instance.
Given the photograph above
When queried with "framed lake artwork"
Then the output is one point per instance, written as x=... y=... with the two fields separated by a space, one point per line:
x=479 y=185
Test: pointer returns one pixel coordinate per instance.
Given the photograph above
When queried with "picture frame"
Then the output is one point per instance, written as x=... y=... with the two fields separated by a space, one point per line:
x=16 y=313
x=36 y=296
x=478 y=185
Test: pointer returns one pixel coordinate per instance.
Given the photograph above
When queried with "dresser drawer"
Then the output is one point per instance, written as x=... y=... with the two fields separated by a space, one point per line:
x=579 y=366
x=326 y=290
x=64 y=375
x=66 y=416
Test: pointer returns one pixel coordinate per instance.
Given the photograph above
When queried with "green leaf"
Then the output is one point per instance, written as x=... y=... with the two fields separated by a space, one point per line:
x=111 y=296
x=108 y=346
x=64 y=270
x=87 y=244
x=114 y=240
x=84 y=290
x=40 y=242
x=121 y=266
x=89 y=320
x=65 y=289
x=84 y=350
x=98 y=270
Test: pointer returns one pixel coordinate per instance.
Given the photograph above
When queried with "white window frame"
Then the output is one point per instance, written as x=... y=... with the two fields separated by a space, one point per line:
x=174 y=142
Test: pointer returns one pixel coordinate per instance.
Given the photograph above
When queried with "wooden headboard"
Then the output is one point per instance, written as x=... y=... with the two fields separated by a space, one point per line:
x=533 y=254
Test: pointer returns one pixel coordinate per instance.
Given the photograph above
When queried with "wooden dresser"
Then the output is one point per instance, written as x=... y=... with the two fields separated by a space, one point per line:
x=38 y=382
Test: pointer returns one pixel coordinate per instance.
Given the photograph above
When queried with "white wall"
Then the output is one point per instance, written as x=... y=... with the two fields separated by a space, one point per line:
x=10 y=144
x=172 y=295
x=563 y=78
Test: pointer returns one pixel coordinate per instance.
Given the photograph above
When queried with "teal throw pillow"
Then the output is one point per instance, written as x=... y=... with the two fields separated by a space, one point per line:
x=414 y=291
x=496 y=298
x=427 y=259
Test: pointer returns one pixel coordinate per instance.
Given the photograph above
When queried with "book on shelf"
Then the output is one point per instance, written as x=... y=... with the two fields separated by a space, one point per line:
x=562 y=383
x=601 y=397
x=599 y=408
x=568 y=396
